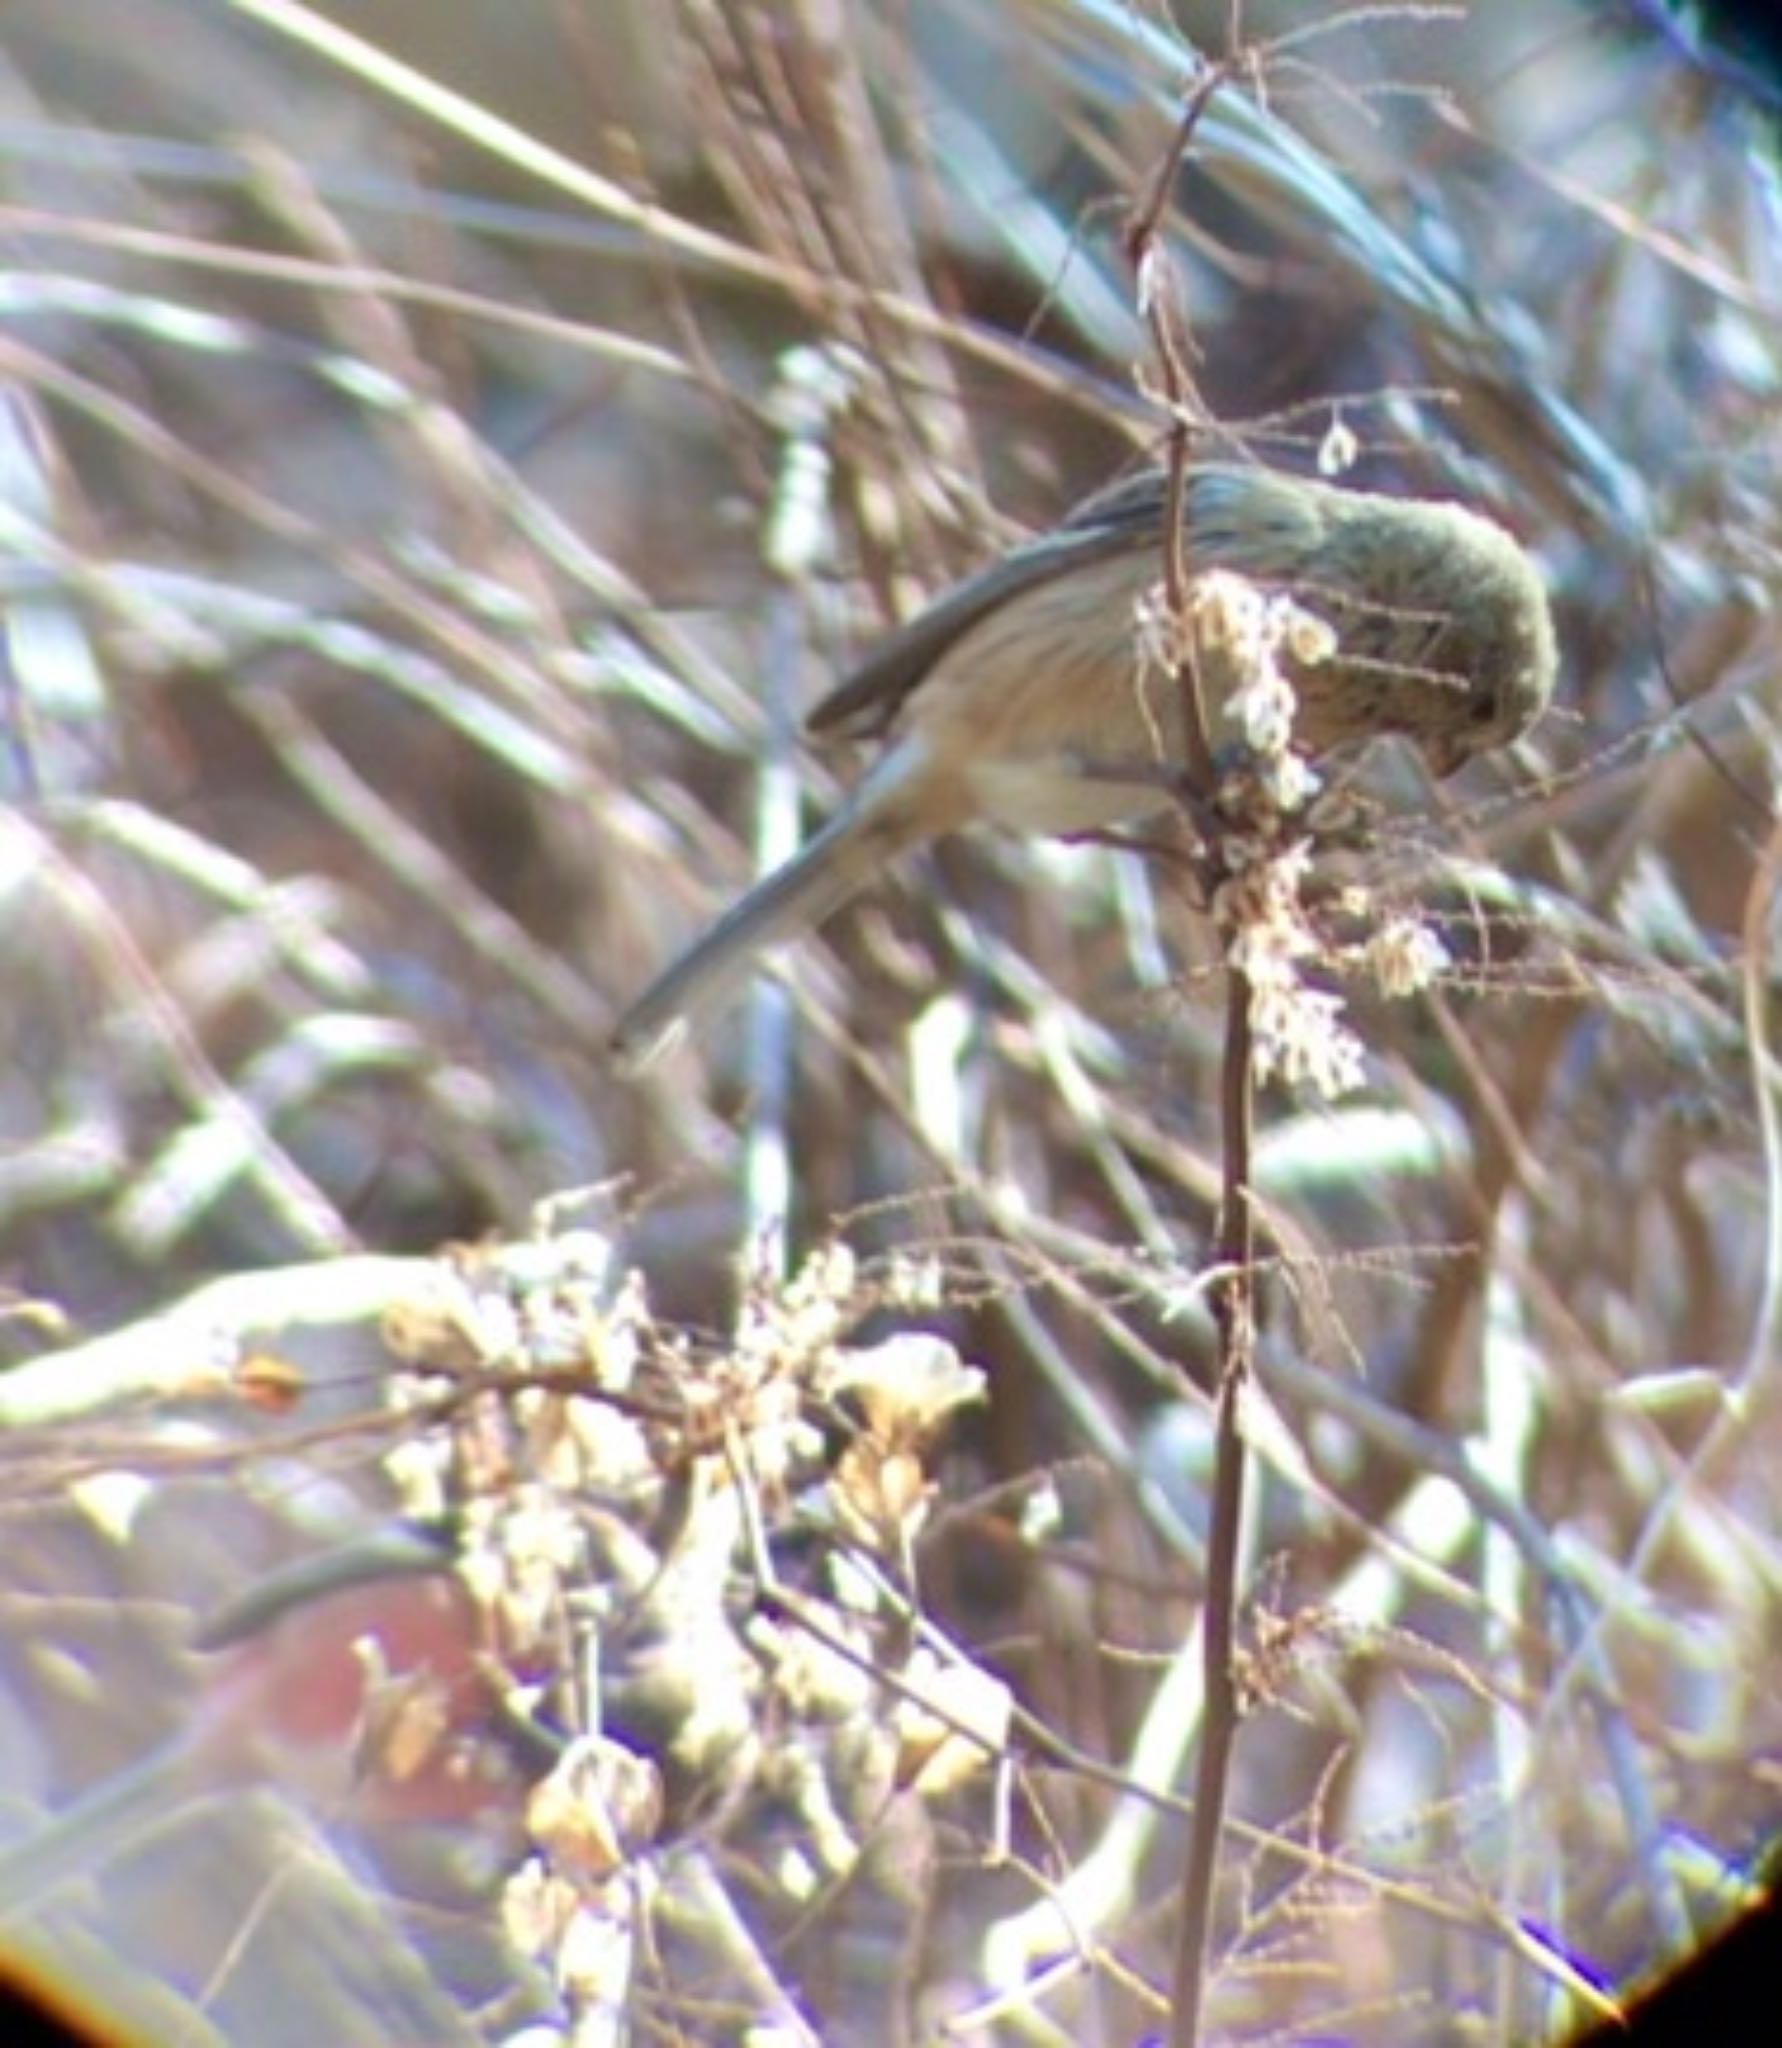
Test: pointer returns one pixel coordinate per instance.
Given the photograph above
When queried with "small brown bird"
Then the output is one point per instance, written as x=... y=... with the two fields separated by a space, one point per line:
x=1019 y=696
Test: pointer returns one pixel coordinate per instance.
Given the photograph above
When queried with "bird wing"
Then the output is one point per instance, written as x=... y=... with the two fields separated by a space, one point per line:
x=1113 y=521
x=1242 y=518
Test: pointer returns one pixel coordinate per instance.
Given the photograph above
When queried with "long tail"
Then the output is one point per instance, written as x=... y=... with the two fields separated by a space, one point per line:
x=838 y=863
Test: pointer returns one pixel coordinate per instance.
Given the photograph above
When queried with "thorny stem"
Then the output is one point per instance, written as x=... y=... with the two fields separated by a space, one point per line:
x=1234 y=1306
x=1186 y=409
x=1235 y=1298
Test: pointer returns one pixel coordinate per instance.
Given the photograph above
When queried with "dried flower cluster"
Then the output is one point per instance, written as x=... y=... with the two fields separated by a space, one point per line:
x=698 y=1572
x=1241 y=642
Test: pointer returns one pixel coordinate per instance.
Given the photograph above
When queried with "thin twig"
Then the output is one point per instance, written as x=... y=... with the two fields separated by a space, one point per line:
x=1234 y=1306
x=1234 y=1296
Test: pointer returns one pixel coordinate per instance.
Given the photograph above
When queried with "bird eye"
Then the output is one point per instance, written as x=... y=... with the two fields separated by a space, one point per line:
x=1482 y=710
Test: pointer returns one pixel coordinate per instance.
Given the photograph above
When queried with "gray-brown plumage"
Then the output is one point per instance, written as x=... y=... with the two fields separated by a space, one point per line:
x=1017 y=697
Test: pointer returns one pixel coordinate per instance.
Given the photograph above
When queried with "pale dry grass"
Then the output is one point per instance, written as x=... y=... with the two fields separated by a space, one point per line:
x=414 y=573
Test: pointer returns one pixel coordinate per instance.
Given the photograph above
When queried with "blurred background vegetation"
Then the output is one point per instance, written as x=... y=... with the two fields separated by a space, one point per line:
x=395 y=675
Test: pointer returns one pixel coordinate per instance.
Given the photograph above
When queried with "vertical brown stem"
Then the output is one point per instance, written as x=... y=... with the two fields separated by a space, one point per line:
x=1235 y=1308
